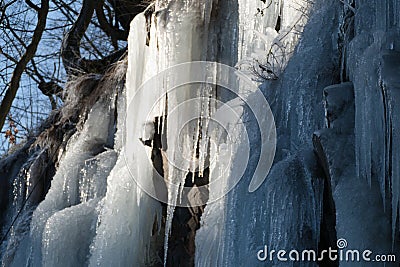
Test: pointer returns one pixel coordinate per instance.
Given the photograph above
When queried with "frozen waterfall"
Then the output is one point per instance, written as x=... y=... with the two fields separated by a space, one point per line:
x=150 y=178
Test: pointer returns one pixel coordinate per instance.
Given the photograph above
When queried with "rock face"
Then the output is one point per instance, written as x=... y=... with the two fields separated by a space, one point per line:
x=357 y=149
x=353 y=200
x=335 y=144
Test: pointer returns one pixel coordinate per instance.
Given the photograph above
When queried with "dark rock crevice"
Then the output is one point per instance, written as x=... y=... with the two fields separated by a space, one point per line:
x=334 y=147
x=348 y=198
x=186 y=220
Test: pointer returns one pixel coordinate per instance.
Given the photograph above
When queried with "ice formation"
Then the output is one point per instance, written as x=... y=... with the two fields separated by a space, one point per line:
x=98 y=210
x=376 y=136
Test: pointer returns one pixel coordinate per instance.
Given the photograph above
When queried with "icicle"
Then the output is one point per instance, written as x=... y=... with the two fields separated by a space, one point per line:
x=168 y=228
x=376 y=130
x=232 y=244
x=190 y=19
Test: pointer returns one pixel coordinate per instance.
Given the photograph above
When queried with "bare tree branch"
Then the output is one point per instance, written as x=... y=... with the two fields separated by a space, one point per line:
x=108 y=28
x=74 y=63
x=32 y=5
x=21 y=65
x=70 y=52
